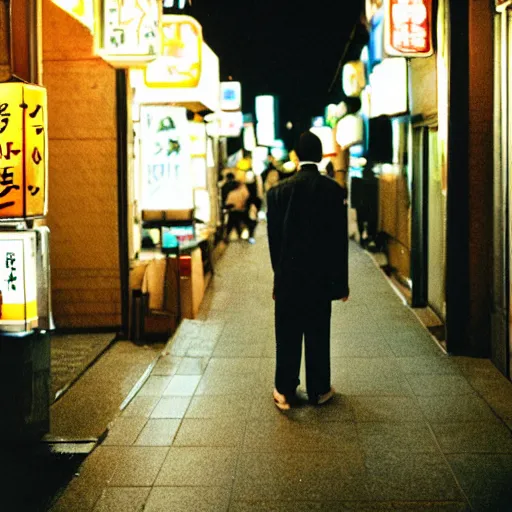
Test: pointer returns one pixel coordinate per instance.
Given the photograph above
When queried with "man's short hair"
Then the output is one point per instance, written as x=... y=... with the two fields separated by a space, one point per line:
x=309 y=148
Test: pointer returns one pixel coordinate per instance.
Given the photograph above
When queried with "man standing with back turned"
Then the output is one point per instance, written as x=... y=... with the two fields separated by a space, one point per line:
x=308 y=239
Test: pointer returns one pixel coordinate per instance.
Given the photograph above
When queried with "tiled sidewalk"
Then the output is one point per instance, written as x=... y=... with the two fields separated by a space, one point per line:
x=410 y=428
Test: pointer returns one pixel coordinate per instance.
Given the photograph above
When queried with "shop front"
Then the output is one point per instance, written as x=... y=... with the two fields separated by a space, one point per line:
x=502 y=248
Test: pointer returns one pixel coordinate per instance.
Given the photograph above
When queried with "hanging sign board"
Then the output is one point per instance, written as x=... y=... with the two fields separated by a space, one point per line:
x=165 y=155
x=408 y=28
x=129 y=32
x=230 y=96
x=179 y=63
x=354 y=79
x=18 y=304
x=23 y=158
x=501 y=5
x=81 y=10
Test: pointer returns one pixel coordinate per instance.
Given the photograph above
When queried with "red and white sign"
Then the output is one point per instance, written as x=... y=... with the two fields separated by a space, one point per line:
x=408 y=28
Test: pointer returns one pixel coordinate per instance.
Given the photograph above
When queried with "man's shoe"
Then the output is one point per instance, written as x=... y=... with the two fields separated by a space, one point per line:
x=322 y=399
x=281 y=401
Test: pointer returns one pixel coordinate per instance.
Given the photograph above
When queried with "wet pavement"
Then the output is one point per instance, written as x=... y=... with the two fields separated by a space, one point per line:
x=410 y=428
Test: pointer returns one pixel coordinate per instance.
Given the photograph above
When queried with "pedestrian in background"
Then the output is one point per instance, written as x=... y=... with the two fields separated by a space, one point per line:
x=235 y=196
x=308 y=241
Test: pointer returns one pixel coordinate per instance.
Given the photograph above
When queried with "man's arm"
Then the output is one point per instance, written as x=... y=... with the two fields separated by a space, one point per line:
x=341 y=245
x=274 y=228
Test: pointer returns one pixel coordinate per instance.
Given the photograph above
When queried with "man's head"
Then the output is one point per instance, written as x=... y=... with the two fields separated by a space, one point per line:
x=230 y=176
x=309 y=148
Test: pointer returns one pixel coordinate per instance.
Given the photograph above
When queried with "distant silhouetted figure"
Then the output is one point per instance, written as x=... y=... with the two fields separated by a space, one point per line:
x=308 y=239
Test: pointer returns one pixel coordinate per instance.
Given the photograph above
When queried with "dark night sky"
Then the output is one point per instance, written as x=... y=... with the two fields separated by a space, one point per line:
x=290 y=48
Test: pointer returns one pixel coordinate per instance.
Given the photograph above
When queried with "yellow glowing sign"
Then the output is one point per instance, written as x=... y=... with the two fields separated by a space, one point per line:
x=82 y=10
x=23 y=143
x=130 y=30
x=179 y=64
x=18 y=278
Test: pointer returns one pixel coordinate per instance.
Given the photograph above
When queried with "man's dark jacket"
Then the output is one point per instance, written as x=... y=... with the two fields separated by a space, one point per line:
x=308 y=236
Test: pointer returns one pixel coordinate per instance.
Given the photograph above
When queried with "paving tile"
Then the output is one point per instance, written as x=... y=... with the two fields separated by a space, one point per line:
x=125 y=431
x=429 y=365
x=472 y=437
x=141 y=406
x=187 y=499
x=212 y=406
x=211 y=432
x=227 y=385
x=385 y=408
x=346 y=506
x=171 y=407
x=485 y=479
x=282 y=434
x=122 y=499
x=182 y=385
x=91 y=479
x=410 y=476
x=188 y=466
x=236 y=349
x=167 y=365
x=371 y=385
x=357 y=345
x=445 y=409
x=192 y=366
x=396 y=438
x=154 y=386
x=435 y=385
x=138 y=466
x=299 y=476
x=158 y=432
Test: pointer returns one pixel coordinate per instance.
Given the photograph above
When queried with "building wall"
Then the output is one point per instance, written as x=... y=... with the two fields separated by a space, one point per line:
x=82 y=208
x=480 y=170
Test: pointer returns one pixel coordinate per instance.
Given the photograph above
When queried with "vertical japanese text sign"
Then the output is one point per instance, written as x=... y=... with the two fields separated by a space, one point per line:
x=179 y=63
x=23 y=158
x=130 y=31
x=18 y=281
x=408 y=28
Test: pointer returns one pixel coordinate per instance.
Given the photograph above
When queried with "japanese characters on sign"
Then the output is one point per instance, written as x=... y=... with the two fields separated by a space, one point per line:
x=82 y=10
x=130 y=30
x=408 y=28
x=23 y=159
x=165 y=157
x=18 y=310
x=179 y=63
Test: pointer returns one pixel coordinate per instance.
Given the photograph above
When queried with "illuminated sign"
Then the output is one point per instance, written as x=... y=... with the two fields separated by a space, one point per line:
x=503 y=4
x=349 y=131
x=408 y=28
x=354 y=80
x=130 y=31
x=249 y=137
x=18 y=278
x=179 y=63
x=266 y=116
x=230 y=96
x=176 y=4
x=388 y=84
x=371 y=7
x=81 y=10
x=333 y=113
x=231 y=124
x=165 y=156
x=325 y=134
x=23 y=158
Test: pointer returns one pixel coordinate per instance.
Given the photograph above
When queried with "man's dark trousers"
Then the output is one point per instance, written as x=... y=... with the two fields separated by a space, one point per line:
x=297 y=316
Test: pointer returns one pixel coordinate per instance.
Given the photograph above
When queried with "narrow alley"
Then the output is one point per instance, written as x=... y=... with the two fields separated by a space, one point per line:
x=409 y=429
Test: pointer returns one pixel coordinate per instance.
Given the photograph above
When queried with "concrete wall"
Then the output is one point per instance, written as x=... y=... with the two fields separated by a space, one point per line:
x=83 y=200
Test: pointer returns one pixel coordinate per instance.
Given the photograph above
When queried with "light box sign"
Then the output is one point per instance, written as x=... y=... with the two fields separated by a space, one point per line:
x=130 y=31
x=389 y=93
x=230 y=96
x=18 y=278
x=408 y=28
x=231 y=124
x=165 y=157
x=81 y=10
x=23 y=153
x=179 y=63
